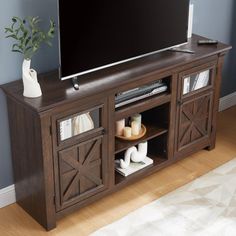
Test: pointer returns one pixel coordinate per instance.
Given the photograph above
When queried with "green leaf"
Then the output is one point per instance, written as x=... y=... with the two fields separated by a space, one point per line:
x=8 y=30
x=27 y=41
x=16 y=51
x=28 y=35
x=16 y=18
x=12 y=36
x=17 y=47
x=49 y=43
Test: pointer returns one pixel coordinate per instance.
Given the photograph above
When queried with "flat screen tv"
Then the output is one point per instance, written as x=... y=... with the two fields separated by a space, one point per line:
x=98 y=34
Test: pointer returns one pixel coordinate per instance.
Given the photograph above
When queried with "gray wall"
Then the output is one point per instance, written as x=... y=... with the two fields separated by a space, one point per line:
x=215 y=19
x=10 y=66
x=212 y=18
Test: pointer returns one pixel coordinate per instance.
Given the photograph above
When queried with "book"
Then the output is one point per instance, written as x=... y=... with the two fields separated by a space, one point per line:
x=66 y=129
x=133 y=167
x=201 y=80
x=186 y=85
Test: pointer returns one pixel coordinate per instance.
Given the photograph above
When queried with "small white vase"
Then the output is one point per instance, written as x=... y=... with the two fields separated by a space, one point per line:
x=82 y=123
x=31 y=86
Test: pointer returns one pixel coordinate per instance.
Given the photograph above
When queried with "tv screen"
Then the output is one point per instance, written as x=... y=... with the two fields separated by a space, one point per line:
x=98 y=34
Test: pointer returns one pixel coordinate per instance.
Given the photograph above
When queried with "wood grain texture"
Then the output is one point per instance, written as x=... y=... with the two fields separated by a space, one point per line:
x=82 y=172
x=33 y=182
x=55 y=177
x=15 y=222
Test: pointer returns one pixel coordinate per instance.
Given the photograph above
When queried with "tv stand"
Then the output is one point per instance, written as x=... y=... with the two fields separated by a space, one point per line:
x=59 y=169
x=182 y=50
x=75 y=83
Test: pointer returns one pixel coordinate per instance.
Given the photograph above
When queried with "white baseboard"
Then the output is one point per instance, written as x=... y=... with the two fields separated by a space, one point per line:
x=227 y=101
x=7 y=196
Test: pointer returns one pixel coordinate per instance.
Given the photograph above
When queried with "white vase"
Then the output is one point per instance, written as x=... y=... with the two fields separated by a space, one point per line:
x=82 y=123
x=31 y=86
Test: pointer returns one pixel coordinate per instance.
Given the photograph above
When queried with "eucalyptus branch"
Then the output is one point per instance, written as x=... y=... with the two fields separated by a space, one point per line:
x=28 y=35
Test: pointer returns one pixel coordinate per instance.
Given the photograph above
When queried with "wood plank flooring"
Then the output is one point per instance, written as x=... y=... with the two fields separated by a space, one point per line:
x=15 y=222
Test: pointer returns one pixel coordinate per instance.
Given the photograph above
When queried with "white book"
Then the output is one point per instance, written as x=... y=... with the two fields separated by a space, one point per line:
x=202 y=80
x=207 y=77
x=186 y=85
x=66 y=129
x=134 y=167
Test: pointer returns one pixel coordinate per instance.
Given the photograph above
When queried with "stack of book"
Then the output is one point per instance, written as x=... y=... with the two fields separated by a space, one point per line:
x=133 y=167
x=200 y=81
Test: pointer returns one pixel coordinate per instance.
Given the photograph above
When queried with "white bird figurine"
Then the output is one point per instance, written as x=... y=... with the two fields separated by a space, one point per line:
x=134 y=155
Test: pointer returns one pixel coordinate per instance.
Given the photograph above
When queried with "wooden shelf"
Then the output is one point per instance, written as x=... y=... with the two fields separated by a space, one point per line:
x=152 y=132
x=159 y=161
x=142 y=105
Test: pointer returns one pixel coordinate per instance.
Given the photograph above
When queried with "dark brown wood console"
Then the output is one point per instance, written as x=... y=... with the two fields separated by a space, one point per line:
x=56 y=174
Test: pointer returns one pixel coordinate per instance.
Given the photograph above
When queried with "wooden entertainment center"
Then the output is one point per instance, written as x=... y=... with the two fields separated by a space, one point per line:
x=55 y=176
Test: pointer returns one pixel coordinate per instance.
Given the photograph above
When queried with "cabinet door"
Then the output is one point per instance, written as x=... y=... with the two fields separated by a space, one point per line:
x=82 y=172
x=197 y=80
x=194 y=123
x=80 y=138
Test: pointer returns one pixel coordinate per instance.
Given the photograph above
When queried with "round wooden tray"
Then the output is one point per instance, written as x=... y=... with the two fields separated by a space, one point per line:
x=135 y=137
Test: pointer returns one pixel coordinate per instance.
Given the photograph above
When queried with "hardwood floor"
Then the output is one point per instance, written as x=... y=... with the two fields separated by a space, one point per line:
x=15 y=222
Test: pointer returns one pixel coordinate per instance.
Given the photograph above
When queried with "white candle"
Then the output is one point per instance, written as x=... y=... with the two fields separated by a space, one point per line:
x=138 y=118
x=135 y=126
x=127 y=132
x=120 y=125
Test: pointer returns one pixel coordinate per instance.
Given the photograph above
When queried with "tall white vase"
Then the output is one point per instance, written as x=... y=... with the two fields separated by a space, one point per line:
x=31 y=86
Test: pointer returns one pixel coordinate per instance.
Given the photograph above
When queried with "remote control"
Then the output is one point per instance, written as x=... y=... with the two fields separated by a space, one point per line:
x=207 y=42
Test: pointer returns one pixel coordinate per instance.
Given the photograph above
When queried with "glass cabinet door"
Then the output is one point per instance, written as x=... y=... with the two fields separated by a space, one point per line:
x=79 y=123
x=196 y=81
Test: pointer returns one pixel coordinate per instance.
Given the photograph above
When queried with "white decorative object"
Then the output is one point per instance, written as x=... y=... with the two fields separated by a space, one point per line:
x=135 y=126
x=31 y=86
x=134 y=155
x=140 y=154
x=127 y=132
x=120 y=125
x=124 y=164
x=82 y=123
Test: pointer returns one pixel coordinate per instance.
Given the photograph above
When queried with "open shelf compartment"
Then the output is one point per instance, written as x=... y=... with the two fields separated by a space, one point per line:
x=156 y=122
x=146 y=103
x=157 y=151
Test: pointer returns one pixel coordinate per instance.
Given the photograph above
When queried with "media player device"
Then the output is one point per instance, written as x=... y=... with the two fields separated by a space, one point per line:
x=137 y=94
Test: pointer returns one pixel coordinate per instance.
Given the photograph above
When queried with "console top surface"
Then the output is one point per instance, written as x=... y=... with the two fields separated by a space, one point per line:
x=56 y=92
